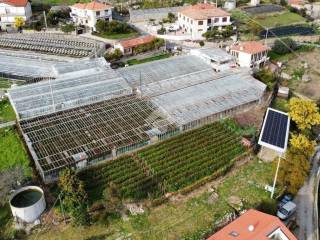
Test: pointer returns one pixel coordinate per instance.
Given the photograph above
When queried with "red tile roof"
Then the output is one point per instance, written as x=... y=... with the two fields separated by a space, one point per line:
x=250 y=47
x=203 y=11
x=261 y=224
x=16 y=3
x=295 y=2
x=96 y=6
x=136 y=41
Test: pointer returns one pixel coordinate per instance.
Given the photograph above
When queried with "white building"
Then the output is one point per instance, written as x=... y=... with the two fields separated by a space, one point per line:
x=198 y=19
x=127 y=46
x=255 y=2
x=10 y=9
x=218 y=58
x=88 y=14
x=250 y=54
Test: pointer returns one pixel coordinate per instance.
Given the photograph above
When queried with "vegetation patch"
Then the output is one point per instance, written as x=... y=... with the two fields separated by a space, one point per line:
x=6 y=111
x=12 y=151
x=149 y=59
x=168 y=166
x=282 y=19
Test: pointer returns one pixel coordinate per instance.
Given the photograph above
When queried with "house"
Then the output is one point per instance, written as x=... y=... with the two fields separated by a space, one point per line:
x=127 y=46
x=88 y=14
x=198 y=19
x=250 y=54
x=10 y=9
x=254 y=225
x=298 y=4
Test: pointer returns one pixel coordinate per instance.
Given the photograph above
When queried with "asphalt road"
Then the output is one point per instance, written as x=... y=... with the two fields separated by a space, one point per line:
x=306 y=200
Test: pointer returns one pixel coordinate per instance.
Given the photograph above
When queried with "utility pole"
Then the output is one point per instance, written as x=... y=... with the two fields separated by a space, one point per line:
x=45 y=19
x=266 y=38
x=275 y=177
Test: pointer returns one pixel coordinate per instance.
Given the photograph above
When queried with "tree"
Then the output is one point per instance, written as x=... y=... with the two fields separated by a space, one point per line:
x=304 y=113
x=227 y=32
x=112 y=199
x=171 y=17
x=101 y=26
x=37 y=26
x=201 y=43
x=293 y=171
x=211 y=34
x=115 y=55
x=74 y=197
x=302 y=145
x=67 y=28
x=283 y=46
x=19 y=22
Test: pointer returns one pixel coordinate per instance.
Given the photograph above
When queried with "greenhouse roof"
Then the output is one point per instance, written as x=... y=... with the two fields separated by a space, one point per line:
x=25 y=66
x=75 y=85
x=152 y=13
x=57 y=140
x=216 y=54
x=198 y=101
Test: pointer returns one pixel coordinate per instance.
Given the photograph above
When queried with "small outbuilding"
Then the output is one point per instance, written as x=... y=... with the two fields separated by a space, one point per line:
x=127 y=47
x=283 y=92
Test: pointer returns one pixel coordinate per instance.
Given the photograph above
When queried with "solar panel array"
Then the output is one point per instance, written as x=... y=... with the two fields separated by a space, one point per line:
x=275 y=129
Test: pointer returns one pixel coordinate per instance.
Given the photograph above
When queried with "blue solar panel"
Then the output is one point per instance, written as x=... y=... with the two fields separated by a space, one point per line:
x=275 y=129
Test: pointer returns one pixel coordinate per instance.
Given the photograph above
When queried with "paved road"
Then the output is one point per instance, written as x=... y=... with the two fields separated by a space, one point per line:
x=306 y=200
x=7 y=124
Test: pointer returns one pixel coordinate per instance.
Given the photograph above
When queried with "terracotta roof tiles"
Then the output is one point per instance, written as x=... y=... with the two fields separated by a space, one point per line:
x=250 y=47
x=136 y=41
x=203 y=11
x=96 y=6
x=16 y=3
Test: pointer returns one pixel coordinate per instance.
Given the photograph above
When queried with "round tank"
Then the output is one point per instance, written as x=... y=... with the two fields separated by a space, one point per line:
x=27 y=204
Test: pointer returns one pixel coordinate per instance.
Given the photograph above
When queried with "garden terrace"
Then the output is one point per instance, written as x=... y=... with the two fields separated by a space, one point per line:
x=77 y=83
x=56 y=44
x=288 y=30
x=169 y=165
x=87 y=134
x=260 y=9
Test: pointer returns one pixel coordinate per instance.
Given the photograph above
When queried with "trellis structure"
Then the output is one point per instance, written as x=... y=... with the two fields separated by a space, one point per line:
x=85 y=135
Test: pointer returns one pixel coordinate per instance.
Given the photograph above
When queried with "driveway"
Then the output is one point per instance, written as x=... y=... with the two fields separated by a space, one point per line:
x=306 y=200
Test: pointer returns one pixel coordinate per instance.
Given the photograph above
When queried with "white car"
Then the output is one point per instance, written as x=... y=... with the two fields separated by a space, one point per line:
x=286 y=210
x=173 y=28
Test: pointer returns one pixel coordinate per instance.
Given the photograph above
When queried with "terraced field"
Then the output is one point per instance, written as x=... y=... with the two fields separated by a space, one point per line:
x=169 y=165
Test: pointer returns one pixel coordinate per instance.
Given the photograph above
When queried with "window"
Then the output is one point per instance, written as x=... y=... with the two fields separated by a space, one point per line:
x=184 y=18
x=224 y=19
x=200 y=23
x=98 y=13
x=106 y=12
x=191 y=21
x=199 y=30
x=209 y=20
x=216 y=20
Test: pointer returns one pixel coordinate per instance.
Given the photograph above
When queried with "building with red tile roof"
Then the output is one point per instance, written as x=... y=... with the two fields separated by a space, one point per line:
x=254 y=225
x=199 y=18
x=127 y=46
x=88 y=14
x=10 y=9
x=250 y=53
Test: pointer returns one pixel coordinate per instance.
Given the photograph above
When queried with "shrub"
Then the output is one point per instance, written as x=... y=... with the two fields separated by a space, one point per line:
x=67 y=28
x=113 y=56
x=267 y=77
x=161 y=31
x=284 y=46
x=201 y=43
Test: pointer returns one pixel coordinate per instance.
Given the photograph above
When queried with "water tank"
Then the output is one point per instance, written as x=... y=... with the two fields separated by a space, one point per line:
x=230 y=4
x=27 y=204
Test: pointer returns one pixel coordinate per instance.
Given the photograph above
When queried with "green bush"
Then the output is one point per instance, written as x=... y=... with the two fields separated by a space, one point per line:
x=67 y=28
x=285 y=45
x=267 y=77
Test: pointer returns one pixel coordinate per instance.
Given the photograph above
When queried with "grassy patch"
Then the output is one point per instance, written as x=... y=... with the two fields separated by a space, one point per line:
x=286 y=57
x=282 y=19
x=184 y=218
x=280 y=104
x=6 y=111
x=149 y=59
x=118 y=35
x=59 y=2
x=12 y=151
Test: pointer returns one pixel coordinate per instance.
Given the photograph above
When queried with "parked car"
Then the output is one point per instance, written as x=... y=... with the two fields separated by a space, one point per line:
x=284 y=199
x=286 y=210
x=173 y=28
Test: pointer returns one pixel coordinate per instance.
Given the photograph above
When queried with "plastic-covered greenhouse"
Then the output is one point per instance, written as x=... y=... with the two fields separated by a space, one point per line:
x=91 y=112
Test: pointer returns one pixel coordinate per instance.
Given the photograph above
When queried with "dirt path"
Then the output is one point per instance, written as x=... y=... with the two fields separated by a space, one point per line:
x=306 y=201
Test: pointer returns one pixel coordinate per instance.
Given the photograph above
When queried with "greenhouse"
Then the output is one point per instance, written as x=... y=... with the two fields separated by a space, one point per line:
x=82 y=136
x=25 y=68
x=57 y=44
x=76 y=84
